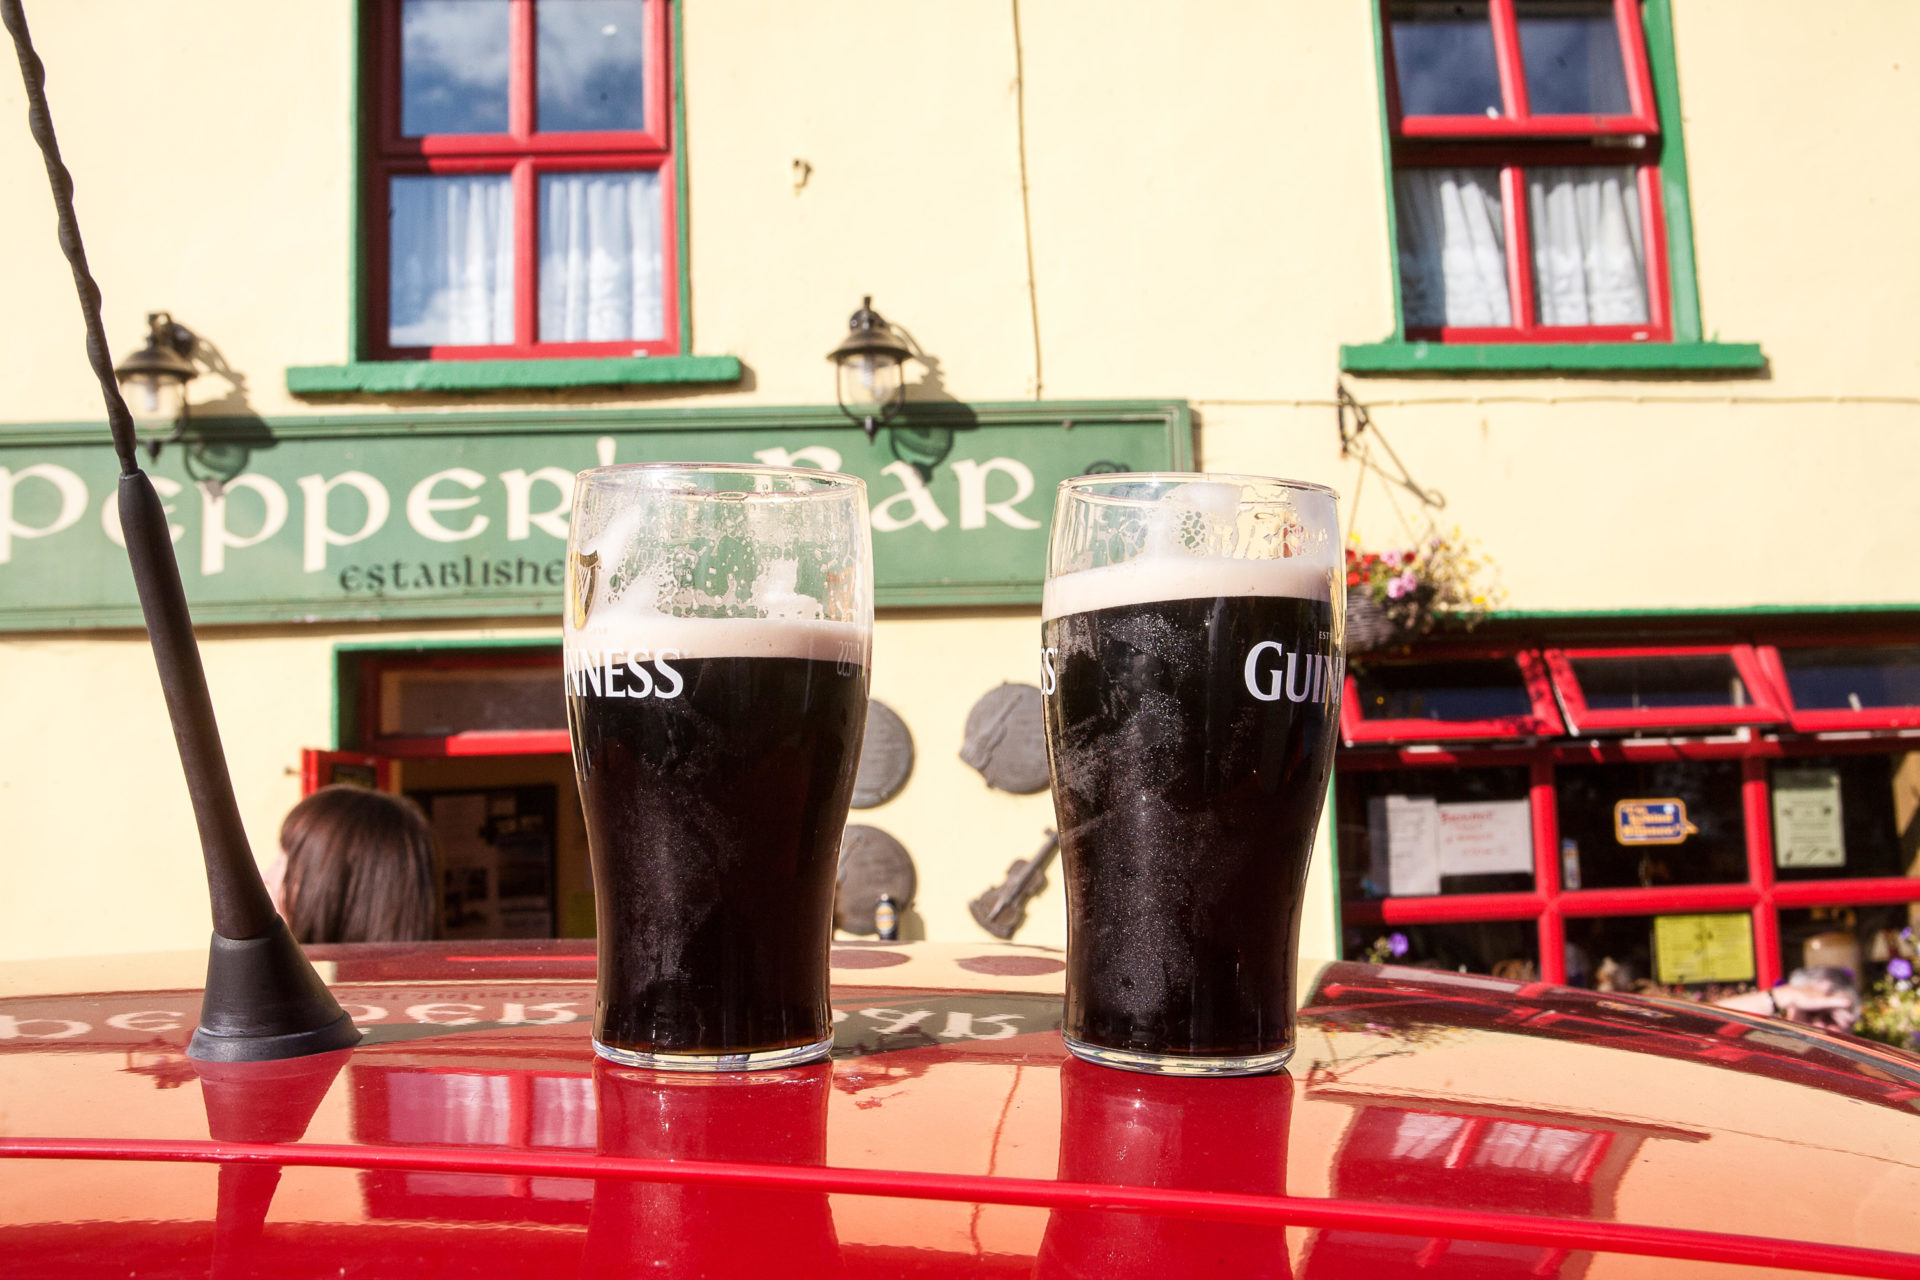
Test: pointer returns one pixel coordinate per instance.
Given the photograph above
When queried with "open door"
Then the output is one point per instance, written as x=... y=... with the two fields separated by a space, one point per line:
x=355 y=769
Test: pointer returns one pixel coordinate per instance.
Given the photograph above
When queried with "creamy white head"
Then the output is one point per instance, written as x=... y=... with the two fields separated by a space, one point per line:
x=1148 y=578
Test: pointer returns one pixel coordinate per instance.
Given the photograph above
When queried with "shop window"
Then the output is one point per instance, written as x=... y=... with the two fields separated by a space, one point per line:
x=1700 y=956
x=1614 y=689
x=519 y=195
x=1478 y=698
x=1651 y=825
x=1859 y=938
x=1507 y=949
x=1526 y=187
x=1870 y=687
x=1845 y=817
x=1412 y=832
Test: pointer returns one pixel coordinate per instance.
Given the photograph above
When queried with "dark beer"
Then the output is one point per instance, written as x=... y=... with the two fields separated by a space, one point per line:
x=715 y=792
x=1190 y=742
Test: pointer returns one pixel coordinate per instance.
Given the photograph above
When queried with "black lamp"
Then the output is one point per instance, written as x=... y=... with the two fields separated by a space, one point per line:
x=870 y=387
x=155 y=379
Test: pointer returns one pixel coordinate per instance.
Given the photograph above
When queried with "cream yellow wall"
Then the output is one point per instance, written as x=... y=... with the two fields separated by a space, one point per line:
x=100 y=852
x=1206 y=209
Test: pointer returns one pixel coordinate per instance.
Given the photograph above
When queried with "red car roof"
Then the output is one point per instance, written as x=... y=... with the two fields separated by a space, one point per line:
x=1432 y=1123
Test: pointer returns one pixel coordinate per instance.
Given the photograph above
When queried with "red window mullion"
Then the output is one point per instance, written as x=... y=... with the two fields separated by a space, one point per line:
x=1633 y=49
x=1653 y=219
x=520 y=94
x=1506 y=53
x=1546 y=869
x=1759 y=821
x=526 y=245
x=1519 y=250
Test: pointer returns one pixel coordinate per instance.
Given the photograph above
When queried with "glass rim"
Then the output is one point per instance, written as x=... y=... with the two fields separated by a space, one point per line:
x=835 y=482
x=1081 y=484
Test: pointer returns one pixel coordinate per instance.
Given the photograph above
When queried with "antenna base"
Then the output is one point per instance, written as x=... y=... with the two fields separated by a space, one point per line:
x=264 y=1002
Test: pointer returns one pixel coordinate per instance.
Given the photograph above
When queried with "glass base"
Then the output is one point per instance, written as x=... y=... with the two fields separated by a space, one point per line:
x=764 y=1060
x=1180 y=1064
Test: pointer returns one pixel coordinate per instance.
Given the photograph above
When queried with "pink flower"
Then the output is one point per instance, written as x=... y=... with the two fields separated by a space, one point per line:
x=1403 y=585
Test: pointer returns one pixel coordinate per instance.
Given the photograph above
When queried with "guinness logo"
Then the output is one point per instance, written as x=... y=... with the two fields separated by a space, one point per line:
x=583 y=573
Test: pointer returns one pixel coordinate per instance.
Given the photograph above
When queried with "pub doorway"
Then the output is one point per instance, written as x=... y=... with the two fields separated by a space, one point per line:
x=477 y=736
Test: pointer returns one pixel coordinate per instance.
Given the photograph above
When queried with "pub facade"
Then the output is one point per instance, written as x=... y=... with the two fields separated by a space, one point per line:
x=1527 y=282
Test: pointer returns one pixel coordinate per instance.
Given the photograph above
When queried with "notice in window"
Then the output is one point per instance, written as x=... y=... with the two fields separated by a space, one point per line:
x=1703 y=949
x=1806 y=818
x=1488 y=837
x=1403 y=833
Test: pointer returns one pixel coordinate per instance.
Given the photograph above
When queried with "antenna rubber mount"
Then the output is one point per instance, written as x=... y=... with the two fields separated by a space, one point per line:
x=264 y=1002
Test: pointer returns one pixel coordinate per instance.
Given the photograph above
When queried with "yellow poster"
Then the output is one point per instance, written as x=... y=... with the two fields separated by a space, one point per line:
x=1715 y=948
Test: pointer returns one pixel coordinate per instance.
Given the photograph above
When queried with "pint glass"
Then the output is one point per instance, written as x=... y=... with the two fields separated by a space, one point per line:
x=1191 y=664
x=718 y=626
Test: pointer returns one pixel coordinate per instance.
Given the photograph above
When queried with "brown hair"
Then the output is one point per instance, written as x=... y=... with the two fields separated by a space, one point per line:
x=360 y=868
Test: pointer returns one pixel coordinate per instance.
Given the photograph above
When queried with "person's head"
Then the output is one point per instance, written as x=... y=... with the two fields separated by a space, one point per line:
x=360 y=868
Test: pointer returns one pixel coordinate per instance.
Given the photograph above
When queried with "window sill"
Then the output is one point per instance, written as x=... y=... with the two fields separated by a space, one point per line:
x=1543 y=357
x=401 y=376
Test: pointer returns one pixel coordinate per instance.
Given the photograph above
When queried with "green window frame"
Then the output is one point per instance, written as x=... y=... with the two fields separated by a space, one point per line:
x=1688 y=351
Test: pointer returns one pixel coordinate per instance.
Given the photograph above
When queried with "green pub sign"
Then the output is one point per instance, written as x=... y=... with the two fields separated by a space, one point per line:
x=417 y=515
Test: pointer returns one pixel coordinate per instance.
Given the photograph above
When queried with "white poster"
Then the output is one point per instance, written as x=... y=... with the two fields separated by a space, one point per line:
x=1403 y=832
x=1806 y=818
x=1485 y=837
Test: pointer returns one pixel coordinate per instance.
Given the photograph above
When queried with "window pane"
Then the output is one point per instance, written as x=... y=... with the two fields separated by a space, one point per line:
x=1502 y=948
x=1710 y=954
x=1638 y=684
x=600 y=270
x=1714 y=852
x=1589 y=257
x=1479 y=690
x=435 y=703
x=1852 y=679
x=453 y=66
x=1424 y=831
x=592 y=57
x=451 y=272
x=1443 y=58
x=1571 y=49
x=1860 y=939
x=1844 y=817
x=1453 y=247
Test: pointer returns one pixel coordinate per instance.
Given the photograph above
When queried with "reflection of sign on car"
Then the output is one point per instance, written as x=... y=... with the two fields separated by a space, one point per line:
x=1662 y=821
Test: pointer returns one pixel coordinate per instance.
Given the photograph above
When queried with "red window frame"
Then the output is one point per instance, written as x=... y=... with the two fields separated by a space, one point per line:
x=1518 y=139
x=1544 y=722
x=1700 y=735
x=523 y=154
x=1766 y=706
x=1831 y=720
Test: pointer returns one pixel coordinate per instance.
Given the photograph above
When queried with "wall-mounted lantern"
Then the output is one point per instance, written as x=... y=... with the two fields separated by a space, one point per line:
x=870 y=357
x=155 y=380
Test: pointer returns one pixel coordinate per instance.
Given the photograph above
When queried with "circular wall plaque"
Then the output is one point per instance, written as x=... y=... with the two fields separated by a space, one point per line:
x=872 y=863
x=1007 y=739
x=886 y=757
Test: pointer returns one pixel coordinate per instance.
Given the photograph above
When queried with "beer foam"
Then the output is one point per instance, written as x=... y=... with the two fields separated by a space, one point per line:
x=627 y=630
x=1149 y=578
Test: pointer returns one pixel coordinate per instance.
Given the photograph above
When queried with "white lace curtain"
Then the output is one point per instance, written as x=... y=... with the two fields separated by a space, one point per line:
x=451 y=249
x=1589 y=254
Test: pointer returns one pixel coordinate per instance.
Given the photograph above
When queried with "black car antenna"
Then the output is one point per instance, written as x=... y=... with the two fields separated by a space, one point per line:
x=263 y=1000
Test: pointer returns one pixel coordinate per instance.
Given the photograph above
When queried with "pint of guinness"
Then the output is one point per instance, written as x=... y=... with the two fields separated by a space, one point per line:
x=718 y=629
x=1191 y=662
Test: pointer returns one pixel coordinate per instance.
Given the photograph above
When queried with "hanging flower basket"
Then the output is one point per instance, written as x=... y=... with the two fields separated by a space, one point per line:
x=1395 y=597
